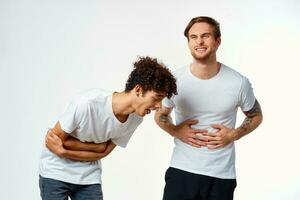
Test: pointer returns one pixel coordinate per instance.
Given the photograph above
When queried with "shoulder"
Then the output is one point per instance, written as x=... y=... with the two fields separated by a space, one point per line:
x=180 y=71
x=233 y=75
x=87 y=99
x=238 y=80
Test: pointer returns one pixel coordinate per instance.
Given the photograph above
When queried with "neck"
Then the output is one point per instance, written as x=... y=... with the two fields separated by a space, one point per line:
x=122 y=105
x=205 y=69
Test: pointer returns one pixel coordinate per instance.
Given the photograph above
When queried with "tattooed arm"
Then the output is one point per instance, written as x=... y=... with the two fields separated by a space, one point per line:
x=227 y=135
x=252 y=121
x=182 y=131
x=164 y=120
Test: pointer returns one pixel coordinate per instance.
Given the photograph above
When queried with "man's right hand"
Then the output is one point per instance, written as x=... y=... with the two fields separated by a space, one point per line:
x=100 y=147
x=54 y=143
x=188 y=135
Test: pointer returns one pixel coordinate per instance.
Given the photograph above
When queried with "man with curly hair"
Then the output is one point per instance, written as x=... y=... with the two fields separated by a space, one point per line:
x=93 y=123
x=209 y=95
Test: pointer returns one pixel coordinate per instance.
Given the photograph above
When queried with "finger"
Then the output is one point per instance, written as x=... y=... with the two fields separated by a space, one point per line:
x=216 y=138
x=201 y=138
x=215 y=146
x=191 y=121
x=211 y=136
x=218 y=126
x=199 y=131
x=50 y=131
x=53 y=139
x=54 y=136
x=194 y=144
x=191 y=142
x=214 y=143
x=51 y=134
x=198 y=142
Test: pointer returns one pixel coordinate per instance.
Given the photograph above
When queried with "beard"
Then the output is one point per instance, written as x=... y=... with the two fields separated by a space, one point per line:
x=205 y=56
x=201 y=57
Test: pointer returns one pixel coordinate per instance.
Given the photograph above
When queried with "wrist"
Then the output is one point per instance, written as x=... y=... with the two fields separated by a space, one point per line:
x=234 y=135
x=62 y=152
x=173 y=131
x=100 y=148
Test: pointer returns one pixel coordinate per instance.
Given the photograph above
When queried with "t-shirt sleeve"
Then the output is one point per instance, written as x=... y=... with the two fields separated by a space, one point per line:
x=169 y=103
x=71 y=118
x=123 y=140
x=246 y=96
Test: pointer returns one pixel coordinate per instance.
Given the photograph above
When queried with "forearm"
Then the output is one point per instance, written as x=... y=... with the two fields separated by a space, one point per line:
x=165 y=122
x=62 y=152
x=81 y=155
x=248 y=125
x=110 y=146
x=74 y=144
x=253 y=119
x=87 y=155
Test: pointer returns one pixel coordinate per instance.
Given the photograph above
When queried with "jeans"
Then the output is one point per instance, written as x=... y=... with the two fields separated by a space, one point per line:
x=58 y=190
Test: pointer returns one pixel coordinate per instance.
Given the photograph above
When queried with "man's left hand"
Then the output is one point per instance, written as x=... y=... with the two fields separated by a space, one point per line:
x=221 y=138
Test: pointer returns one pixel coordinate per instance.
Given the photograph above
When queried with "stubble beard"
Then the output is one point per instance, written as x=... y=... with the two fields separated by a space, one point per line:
x=201 y=58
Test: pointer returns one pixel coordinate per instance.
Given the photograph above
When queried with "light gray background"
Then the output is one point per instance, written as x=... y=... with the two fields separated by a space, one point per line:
x=50 y=50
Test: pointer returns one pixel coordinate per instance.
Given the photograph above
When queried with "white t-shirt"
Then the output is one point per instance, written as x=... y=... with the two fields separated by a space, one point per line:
x=88 y=117
x=211 y=101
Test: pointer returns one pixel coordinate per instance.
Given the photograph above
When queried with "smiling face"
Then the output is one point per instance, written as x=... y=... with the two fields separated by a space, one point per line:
x=202 y=42
x=148 y=101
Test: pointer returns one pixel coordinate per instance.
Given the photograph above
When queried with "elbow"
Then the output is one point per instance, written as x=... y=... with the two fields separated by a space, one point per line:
x=99 y=156
x=259 y=119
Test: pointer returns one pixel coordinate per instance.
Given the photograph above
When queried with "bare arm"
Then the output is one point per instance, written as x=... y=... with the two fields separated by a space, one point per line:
x=164 y=120
x=183 y=131
x=253 y=119
x=110 y=146
x=71 y=143
x=86 y=155
x=76 y=145
x=56 y=138
x=55 y=144
x=226 y=135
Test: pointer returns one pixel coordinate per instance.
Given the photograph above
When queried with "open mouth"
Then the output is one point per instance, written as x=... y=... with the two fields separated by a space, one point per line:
x=200 y=49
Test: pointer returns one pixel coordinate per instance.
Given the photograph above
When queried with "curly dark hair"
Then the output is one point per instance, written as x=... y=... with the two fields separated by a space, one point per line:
x=151 y=75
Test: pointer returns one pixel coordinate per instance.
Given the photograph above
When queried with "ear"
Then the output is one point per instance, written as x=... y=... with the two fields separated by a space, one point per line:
x=219 y=41
x=138 y=90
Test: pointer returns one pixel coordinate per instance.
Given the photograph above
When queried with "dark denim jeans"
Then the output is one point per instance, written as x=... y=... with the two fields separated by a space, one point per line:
x=57 y=190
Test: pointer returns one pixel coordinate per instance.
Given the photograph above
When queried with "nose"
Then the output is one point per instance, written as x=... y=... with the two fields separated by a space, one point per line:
x=199 y=40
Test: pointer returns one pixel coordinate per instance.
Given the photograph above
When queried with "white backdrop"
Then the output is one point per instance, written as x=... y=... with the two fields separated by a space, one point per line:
x=50 y=50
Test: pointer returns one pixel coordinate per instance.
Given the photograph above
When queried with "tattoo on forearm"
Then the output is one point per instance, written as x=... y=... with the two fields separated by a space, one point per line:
x=254 y=111
x=246 y=124
x=165 y=118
